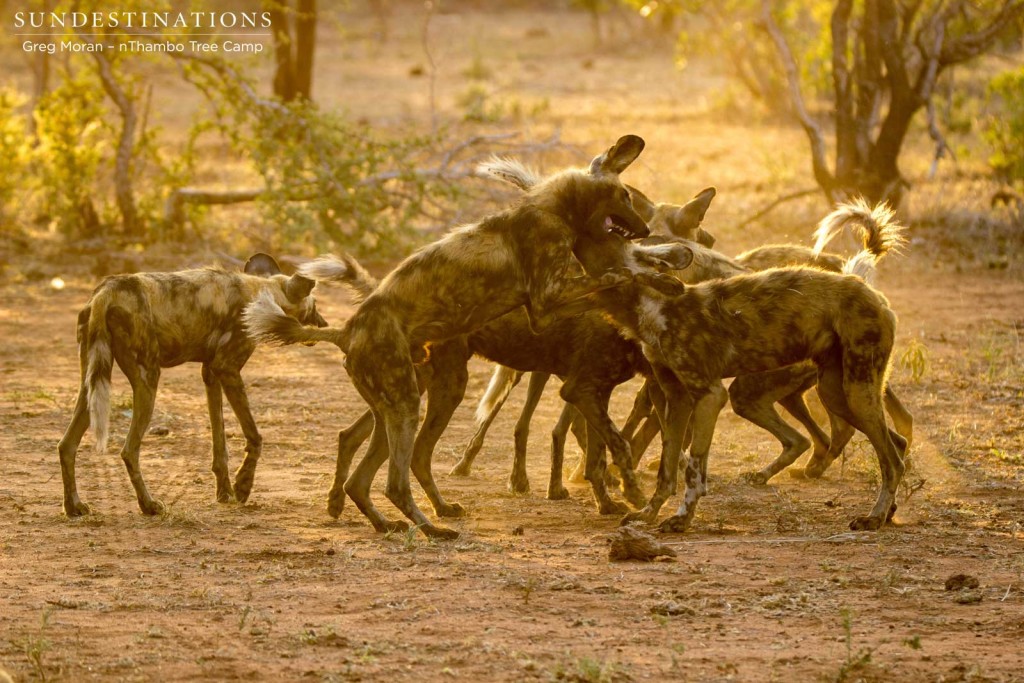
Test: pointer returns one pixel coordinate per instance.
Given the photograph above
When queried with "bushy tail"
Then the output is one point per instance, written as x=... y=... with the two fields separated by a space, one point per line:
x=267 y=323
x=343 y=269
x=880 y=233
x=497 y=392
x=99 y=363
x=509 y=170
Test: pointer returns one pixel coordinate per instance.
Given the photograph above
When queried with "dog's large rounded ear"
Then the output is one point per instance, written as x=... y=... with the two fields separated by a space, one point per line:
x=298 y=288
x=641 y=204
x=690 y=215
x=619 y=156
x=671 y=255
x=261 y=264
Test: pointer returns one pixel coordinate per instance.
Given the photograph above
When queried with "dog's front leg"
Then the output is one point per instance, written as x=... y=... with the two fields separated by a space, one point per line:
x=674 y=415
x=705 y=415
x=564 y=297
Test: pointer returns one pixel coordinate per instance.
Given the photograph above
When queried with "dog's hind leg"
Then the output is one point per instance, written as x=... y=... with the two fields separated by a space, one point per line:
x=592 y=401
x=349 y=441
x=859 y=402
x=144 y=380
x=68 y=447
x=596 y=474
x=234 y=389
x=215 y=404
x=358 y=484
x=465 y=465
x=753 y=398
x=445 y=393
x=841 y=433
x=518 y=480
x=642 y=409
x=705 y=415
x=556 y=489
x=901 y=417
x=578 y=424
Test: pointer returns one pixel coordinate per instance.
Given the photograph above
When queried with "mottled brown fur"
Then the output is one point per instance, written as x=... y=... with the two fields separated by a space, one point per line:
x=751 y=324
x=148 y=321
x=518 y=257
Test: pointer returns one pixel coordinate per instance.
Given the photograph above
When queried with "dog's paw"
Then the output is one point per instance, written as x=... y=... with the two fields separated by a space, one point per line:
x=336 y=503
x=892 y=513
x=152 y=507
x=225 y=494
x=558 y=493
x=244 y=478
x=518 y=484
x=450 y=510
x=439 y=532
x=461 y=469
x=612 y=507
x=646 y=516
x=661 y=283
x=676 y=524
x=866 y=524
x=755 y=478
x=75 y=508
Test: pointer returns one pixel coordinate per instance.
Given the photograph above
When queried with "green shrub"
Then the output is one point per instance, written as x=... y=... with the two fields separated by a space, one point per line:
x=1004 y=130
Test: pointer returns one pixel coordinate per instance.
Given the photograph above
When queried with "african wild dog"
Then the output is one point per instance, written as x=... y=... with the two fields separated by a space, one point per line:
x=748 y=324
x=753 y=396
x=148 y=321
x=522 y=256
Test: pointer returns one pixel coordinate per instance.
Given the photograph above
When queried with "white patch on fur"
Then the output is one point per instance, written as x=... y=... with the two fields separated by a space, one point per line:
x=862 y=265
x=99 y=394
x=260 y=314
x=652 y=318
x=224 y=339
x=498 y=390
x=211 y=299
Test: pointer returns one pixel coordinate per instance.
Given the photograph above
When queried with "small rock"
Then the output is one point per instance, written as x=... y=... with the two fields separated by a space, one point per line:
x=967 y=597
x=959 y=582
x=330 y=551
x=628 y=543
x=671 y=608
x=518 y=531
x=159 y=431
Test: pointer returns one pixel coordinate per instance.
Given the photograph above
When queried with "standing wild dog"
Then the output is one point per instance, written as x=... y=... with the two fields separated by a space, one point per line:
x=148 y=321
x=753 y=396
x=522 y=256
x=750 y=324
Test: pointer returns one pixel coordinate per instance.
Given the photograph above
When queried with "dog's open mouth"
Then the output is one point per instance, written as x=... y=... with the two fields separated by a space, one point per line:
x=617 y=225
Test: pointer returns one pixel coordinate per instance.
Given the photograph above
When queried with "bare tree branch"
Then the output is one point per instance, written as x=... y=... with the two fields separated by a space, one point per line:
x=814 y=134
x=123 y=189
x=971 y=45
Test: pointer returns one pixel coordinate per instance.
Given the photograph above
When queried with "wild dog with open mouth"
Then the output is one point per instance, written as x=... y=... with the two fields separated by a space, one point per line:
x=753 y=396
x=148 y=321
x=522 y=256
x=750 y=324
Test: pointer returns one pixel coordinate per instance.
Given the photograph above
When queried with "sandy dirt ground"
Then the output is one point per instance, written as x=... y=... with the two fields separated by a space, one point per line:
x=767 y=585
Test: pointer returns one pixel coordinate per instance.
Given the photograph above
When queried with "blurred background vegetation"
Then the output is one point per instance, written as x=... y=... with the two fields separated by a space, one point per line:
x=359 y=124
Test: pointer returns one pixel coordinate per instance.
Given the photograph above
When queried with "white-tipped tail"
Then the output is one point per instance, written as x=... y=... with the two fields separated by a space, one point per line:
x=343 y=269
x=262 y=317
x=879 y=231
x=862 y=264
x=97 y=380
x=511 y=171
x=500 y=386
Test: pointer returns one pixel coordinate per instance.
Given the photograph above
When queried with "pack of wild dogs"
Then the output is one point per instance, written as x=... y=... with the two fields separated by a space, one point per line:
x=584 y=278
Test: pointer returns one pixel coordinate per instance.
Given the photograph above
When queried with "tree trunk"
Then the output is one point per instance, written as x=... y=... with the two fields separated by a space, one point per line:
x=284 y=73
x=305 y=44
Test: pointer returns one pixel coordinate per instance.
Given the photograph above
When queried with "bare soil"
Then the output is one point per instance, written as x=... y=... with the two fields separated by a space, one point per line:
x=768 y=585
